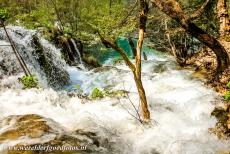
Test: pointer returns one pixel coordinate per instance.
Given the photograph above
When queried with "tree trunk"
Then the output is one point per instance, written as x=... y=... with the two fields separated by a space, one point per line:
x=223 y=16
x=136 y=69
x=143 y=100
x=173 y=9
x=137 y=74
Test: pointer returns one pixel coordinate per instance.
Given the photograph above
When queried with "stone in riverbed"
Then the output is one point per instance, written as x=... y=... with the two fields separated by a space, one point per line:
x=36 y=131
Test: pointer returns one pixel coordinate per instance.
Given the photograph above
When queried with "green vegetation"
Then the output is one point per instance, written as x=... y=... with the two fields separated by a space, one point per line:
x=115 y=93
x=79 y=18
x=228 y=85
x=29 y=81
x=78 y=88
x=97 y=93
x=4 y=15
x=227 y=95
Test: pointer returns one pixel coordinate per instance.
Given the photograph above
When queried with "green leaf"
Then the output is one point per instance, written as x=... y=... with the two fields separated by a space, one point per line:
x=29 y=81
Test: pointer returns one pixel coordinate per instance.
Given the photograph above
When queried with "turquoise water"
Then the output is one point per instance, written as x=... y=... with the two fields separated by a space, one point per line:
x=104 y=54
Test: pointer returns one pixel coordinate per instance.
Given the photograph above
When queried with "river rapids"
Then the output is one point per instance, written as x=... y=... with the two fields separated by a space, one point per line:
x=180 y=105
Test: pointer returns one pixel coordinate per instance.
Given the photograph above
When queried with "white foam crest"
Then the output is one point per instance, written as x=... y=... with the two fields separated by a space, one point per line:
x=180 y=105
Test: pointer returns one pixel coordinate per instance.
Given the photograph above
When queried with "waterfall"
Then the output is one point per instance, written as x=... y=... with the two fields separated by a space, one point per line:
x=77 y=51
x=42 y=58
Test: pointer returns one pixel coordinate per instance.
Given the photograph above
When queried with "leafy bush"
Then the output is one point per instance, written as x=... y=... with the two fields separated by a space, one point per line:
x=228 y=85
x=29 y=81
x=4 y=15
x=227 y=95
x=97 y=93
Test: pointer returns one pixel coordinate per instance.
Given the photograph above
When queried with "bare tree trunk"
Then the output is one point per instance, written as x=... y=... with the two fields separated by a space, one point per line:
x=223 y=16
x=18 y=56
x=173 y=9
x=137 y=74
x=136 y=69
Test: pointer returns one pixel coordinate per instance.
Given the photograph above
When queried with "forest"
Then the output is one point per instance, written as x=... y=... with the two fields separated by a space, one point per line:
x=115 y=76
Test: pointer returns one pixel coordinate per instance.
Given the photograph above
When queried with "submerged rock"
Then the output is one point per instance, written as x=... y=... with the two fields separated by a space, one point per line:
x=45 y=136
x=105 y=68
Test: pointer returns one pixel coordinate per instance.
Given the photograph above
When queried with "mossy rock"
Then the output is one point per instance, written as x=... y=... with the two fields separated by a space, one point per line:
x=222 y=127
x=99 y=94
x=116 y=93
x=91 y=61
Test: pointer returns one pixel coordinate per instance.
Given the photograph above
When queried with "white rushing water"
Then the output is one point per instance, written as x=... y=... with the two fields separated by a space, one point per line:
x=77 y=51
x=180 y=108
x=33 y=48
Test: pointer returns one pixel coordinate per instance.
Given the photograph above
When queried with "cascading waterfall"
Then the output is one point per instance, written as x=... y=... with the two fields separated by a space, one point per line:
x=43 y=59
x=180 y=107
x=77 y=51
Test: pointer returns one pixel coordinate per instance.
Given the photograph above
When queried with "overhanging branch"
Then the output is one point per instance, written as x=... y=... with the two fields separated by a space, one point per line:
x=119 y=50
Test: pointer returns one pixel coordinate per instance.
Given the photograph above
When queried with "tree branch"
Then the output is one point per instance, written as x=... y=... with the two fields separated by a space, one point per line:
x=119 y=50
x=199 y=12
x=173 y=9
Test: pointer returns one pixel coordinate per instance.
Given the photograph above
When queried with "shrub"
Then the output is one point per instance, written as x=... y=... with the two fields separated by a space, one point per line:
x=4 y=15
x=228 y=85
x=29 y=81
x=227 y=95
x=97 y=93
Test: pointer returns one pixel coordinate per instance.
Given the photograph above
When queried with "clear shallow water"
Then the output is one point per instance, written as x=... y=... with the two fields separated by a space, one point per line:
x=180 y=108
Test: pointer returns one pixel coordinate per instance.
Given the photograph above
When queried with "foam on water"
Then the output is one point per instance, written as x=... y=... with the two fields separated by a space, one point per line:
x=180 y=108
x=24 y=41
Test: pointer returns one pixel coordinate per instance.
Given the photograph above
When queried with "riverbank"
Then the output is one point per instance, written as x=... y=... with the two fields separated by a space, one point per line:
x=205 y=64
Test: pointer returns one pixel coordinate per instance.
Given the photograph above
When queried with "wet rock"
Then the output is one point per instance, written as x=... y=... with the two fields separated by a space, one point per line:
x=161 y=67
x=8 y=63
x=222 y=129
x=56 y=76
x=105 y=68
x=42 y=58
x=90 y=61
x=34 y=131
